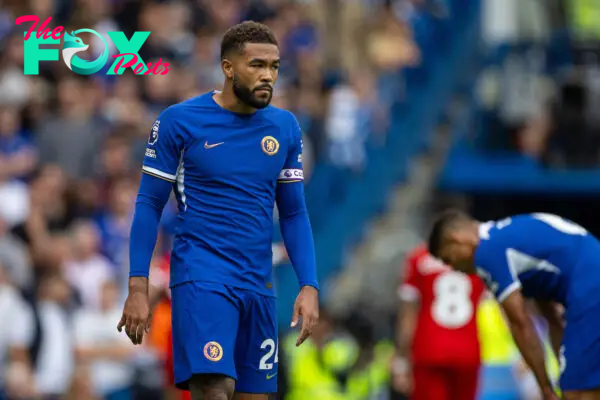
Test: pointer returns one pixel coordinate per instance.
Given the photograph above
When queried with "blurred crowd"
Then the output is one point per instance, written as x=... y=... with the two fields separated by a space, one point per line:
x=71 y=148
x=540 y=90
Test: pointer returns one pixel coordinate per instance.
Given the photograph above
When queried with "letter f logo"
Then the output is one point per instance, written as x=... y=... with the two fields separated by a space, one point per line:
x=33 y=54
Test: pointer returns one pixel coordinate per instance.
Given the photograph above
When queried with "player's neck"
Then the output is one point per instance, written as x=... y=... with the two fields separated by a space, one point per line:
x=229 y=101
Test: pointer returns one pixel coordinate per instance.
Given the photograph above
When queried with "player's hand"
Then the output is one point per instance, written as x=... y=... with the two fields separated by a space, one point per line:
x=549 y=394
x=402 y=381
x=307 y=308
x=136 y=315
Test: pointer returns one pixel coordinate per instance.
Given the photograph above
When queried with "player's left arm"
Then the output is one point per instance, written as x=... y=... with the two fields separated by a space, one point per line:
x=495 y=266
x=556 y=323
x=297 y=235
x=527 y=340
x=409 y=293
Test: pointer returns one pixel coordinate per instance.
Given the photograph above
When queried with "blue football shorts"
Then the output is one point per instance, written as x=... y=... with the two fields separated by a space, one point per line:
x=218 y=329
x=580 y=351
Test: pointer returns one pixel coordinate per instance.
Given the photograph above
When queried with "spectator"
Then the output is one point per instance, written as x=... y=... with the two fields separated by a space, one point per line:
x=88 y=270
x=115 y=164
x=15 y=88
x=48 y=213
x=73 y=125
x=114 y=222
x=17 y=160
x=16 y=336
x=18 y=157
x=81 y=386
x=392 y=33
x=101 y=349
x=15 y=258
x=54 y=358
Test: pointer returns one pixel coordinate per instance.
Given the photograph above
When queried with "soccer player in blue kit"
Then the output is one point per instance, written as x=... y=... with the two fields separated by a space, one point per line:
x=550 y=260
x=229 y=157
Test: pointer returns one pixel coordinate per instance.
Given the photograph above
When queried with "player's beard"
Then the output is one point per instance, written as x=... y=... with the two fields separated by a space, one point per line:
x=247 y=95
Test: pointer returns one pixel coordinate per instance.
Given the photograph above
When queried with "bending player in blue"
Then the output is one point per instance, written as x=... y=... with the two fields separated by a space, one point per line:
x=546 y=258
x=229 y=157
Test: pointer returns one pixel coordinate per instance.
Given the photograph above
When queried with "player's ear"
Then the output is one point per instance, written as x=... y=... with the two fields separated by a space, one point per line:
x=227 y=67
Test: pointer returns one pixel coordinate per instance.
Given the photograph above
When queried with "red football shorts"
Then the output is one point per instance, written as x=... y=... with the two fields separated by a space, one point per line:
x=445 y=383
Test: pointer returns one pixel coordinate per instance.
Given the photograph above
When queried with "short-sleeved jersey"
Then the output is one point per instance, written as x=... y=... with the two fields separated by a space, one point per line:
x=446 y=333
x=225 y=167
x=544 y=255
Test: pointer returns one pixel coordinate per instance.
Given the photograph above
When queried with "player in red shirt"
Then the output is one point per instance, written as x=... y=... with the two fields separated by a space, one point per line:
x=438 y=354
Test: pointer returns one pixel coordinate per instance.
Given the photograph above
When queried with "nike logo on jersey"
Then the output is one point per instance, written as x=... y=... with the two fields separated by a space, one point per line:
x=210 y=146
x=271 y=376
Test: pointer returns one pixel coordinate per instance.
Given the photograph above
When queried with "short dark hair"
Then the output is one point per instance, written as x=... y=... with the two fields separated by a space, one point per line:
x=442 y=224
x=237 y=36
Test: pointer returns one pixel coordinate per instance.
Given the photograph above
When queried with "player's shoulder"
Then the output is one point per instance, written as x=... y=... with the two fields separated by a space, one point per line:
x=280 y=116
x=197 y=104
x=529 y=220
x=417 y=253
x=276 y=113
x=505 y=229
x=540 y=225
x=425 y=264
x=494 y=238
x=179 y=118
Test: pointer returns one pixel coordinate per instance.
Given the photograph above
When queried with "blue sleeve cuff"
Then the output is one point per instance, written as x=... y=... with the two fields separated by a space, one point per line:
x=313 y=284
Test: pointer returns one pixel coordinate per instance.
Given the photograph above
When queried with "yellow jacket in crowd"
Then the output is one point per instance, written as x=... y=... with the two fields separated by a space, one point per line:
x=313 y=372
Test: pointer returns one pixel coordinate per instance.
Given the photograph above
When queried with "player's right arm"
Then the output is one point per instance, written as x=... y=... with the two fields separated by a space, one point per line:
x=405 y=326
x=163 y=152
x=495 y=266
x=527 y=340
x=556 y=324
x=409 y=294
x=406 y=323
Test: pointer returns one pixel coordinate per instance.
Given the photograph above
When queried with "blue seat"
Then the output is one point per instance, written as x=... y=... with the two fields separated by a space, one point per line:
x=498 y=383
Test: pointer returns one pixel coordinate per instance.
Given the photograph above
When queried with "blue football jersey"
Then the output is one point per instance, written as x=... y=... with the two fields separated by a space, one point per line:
x=544 y=255
x=225 y=168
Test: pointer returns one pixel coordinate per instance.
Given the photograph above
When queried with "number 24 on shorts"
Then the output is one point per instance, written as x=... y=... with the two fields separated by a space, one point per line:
x=265 y=363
